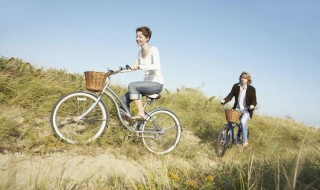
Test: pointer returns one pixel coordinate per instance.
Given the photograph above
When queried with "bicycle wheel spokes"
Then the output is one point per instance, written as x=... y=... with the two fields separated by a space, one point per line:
x=70 y=127
x=161 y=132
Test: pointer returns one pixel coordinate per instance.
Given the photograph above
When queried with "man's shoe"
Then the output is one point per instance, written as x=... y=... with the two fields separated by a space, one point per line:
x=245 y=144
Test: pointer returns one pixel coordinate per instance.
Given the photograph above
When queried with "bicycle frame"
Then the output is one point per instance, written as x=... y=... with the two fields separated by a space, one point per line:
x=114 y=98
x=231 y=126
x=82 y=117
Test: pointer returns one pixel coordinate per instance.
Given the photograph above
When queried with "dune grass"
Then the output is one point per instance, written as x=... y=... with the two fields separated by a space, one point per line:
x=283 y=154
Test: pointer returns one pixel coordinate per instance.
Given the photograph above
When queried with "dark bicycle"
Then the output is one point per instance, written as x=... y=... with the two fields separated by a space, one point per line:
x=227 y=136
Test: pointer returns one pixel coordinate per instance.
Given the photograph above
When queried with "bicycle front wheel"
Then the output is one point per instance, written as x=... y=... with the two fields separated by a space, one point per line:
x=161 y=131
x=223 y=140
x=67 y=124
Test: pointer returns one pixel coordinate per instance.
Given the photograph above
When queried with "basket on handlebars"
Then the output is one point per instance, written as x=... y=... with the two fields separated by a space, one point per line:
x=232 y=115
x=95 y=80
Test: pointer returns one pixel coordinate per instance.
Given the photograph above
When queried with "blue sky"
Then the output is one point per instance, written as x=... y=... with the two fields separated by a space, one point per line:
x=202 y=43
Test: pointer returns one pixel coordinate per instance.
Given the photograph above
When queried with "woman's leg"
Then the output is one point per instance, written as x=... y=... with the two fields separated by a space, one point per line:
x=244 y=122
x=126 y=100
x=137 y=89
x=141 y=113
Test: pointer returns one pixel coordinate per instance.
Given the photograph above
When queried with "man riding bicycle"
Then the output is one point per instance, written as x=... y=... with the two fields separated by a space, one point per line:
x=245 y=101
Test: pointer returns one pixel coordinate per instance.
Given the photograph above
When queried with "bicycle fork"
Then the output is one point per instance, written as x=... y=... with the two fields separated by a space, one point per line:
x=80 y=118
x=239 y=132
x=231 y=133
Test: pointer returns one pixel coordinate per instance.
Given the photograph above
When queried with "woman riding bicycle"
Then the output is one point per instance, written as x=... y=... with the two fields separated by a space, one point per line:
x=148 y=60
x=245 y=101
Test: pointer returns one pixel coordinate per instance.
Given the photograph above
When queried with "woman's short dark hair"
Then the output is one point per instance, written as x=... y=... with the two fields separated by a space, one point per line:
x=145 y=31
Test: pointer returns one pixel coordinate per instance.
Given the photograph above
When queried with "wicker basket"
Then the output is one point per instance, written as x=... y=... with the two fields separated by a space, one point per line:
x=95 y=80
x=232 y=115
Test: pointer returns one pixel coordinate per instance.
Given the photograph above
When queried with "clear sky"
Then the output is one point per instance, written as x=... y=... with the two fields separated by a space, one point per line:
x=202 y=44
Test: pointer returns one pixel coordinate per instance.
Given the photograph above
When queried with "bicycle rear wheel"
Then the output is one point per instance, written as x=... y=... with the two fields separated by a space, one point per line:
x=69 y=127
x=223 y=140
x=161 y=131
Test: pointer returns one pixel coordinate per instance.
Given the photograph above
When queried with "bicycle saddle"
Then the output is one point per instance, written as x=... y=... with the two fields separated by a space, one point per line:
x=154 y=96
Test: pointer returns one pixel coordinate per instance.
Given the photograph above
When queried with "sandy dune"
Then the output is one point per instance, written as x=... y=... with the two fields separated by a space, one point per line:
x=21 y=171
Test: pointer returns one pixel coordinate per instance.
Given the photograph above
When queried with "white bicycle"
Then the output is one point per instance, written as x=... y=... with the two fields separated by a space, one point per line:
x=82 y=117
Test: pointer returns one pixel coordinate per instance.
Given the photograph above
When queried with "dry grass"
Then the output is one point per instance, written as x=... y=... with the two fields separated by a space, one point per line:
x=283 y=154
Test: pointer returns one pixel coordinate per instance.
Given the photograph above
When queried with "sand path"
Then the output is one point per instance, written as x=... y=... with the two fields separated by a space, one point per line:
x=19 y=171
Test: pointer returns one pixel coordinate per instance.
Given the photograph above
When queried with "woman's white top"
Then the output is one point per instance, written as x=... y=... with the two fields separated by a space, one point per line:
x=151 y=65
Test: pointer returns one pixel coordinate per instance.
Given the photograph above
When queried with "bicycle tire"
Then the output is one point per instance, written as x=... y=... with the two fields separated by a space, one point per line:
x=66 y=125
x=223 y=140
x=161 y=132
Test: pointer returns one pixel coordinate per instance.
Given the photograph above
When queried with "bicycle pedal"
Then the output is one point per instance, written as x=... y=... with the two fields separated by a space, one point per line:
x=137 y=129
x=237 y=143
x=139 y=133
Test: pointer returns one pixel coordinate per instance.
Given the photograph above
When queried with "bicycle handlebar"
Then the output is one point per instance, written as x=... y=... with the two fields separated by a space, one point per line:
x=224 y=106
x=127 y=68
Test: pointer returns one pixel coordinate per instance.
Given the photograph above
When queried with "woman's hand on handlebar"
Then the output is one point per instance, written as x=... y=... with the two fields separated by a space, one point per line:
x=125 y=69
x=134 y=67
x=222 y=102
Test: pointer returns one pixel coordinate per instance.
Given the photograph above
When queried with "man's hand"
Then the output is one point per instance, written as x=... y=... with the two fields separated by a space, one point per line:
x=222 y=101
x=251 y=107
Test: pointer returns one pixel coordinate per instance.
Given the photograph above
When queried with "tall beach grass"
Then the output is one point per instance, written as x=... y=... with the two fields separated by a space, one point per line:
x=283 y=154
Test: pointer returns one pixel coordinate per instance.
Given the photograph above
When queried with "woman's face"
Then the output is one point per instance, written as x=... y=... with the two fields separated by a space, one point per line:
x=141 y=39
